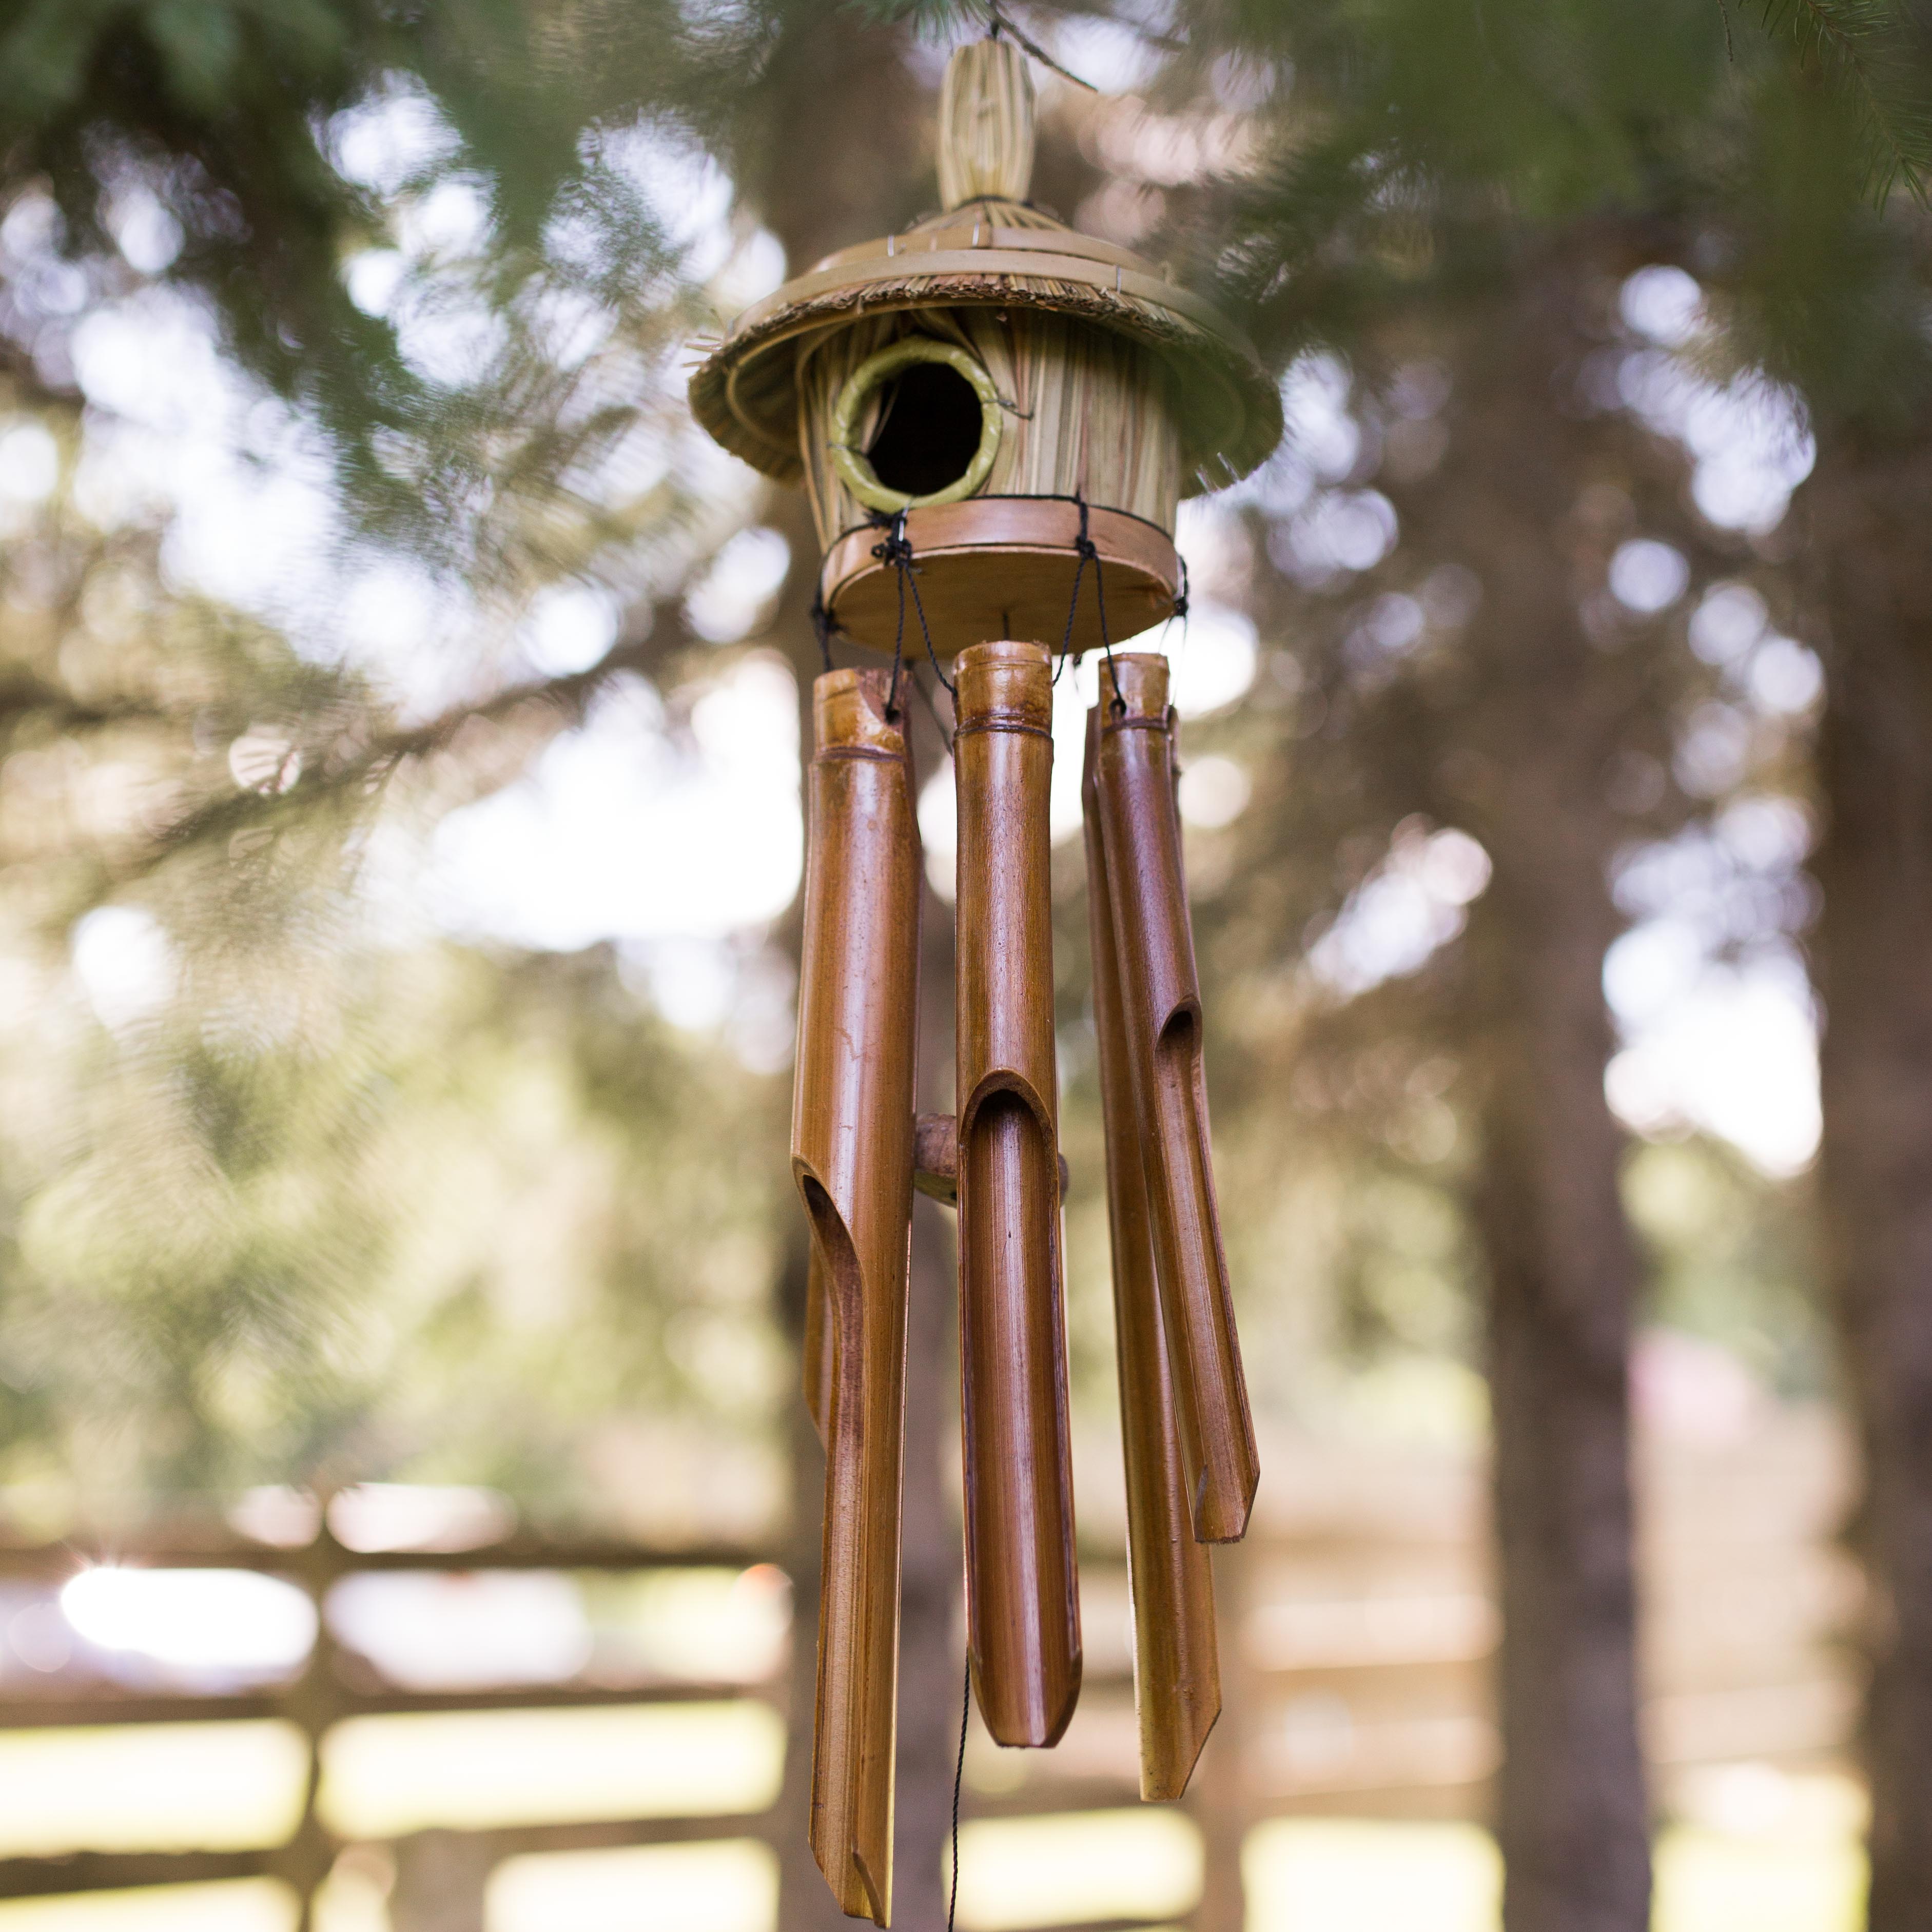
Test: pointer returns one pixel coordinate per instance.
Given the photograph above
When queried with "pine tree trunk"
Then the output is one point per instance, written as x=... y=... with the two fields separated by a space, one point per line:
x=1874 y=948
x=1571 y=1809
x=1523 y=760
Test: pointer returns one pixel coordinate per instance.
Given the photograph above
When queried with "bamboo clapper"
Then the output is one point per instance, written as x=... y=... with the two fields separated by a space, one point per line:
x=1140 y=844
x=852 y=1158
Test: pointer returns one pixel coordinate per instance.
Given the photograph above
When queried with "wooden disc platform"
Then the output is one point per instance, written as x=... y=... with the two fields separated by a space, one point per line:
x=1003 y=567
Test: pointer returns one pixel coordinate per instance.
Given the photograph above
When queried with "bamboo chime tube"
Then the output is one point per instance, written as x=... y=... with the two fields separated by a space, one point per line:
x=852 y=1158
x=1023 y=1619
x=1154 y=944
x=1176 y=1670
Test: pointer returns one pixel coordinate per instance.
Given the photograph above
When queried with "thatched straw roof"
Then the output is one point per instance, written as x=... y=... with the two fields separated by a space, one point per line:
x=990 y=253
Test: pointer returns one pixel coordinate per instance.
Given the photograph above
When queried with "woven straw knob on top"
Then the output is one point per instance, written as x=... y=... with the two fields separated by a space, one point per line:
x=985 y=125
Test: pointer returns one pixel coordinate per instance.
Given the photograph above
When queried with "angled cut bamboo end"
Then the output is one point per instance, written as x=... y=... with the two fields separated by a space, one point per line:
x=1022 y=1602
x=1160 y=1001
x=852 y=1157
x=1177 y=1666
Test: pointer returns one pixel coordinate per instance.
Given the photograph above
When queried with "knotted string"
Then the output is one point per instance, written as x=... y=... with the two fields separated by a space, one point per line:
x=895 y=549
x=1088 y=552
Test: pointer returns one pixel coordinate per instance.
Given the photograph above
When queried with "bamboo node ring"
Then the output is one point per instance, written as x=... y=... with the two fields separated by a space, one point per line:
x=855 y=468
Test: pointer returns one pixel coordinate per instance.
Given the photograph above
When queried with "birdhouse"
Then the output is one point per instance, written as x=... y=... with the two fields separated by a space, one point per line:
x=1007 y=384
x=996 y=418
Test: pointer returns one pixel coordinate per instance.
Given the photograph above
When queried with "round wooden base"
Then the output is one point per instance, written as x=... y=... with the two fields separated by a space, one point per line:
x=996 y=567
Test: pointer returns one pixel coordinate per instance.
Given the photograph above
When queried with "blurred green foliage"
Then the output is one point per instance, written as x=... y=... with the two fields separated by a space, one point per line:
x=357 y=1199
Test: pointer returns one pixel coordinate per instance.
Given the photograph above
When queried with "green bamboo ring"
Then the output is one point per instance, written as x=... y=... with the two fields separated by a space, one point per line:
x=854 y=467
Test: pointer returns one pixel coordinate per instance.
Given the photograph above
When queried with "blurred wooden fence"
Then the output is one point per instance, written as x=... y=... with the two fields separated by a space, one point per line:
x=1359 y=1629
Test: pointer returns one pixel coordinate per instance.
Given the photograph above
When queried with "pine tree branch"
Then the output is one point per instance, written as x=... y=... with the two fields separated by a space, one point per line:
x=1876 y=49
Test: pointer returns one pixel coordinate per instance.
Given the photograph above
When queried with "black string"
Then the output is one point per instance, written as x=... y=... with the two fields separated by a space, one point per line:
x=896 y=550
x=938 y=723
x=1088 y=552
x=958 y=1778
x=998 y=23
x=898 y=634
x=1178 y=609
x=925 y=629
x=879 y=520
x=1084 y=549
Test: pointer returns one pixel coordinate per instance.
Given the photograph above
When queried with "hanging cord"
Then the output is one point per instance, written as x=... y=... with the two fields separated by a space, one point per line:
x=998 y=23
x=938 y=723
x=1180 y=609
x=959 y=1778
x=1088 y=552
x=896 y=550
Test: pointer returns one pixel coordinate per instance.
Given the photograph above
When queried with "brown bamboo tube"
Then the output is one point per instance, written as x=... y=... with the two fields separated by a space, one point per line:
x=1170 y=1577
x=852 y=1158
x=1154 y=944
x=1023 y=1615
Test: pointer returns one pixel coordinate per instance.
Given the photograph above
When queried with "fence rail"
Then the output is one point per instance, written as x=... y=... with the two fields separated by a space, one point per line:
x=1357 y=1654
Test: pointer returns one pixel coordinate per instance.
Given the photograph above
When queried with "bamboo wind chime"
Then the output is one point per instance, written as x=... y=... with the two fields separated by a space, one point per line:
x=987 y=410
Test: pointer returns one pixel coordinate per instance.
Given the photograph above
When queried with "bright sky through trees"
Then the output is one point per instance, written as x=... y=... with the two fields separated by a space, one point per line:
x=629 y=828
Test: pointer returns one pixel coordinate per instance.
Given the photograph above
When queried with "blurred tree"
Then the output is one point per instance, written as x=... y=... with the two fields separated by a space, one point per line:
x=1456 y=204
x=1465 y=707
x=245 y=155
x=246 y=1241
x=1868 y=503
x=1829 y=292
x=497 y=409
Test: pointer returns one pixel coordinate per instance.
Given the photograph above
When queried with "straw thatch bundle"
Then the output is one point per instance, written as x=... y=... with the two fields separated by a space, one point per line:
x=1088 y=412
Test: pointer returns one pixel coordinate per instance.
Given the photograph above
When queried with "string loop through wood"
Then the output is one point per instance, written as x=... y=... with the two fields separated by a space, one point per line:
x=896 y=550
x=1085 y=549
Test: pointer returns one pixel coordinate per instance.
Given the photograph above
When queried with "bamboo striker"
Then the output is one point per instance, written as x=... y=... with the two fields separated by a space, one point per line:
x=986 y=124
x=1154 y=944
x=1023 y=1623
x=1177 y=1669
x=852 y=1158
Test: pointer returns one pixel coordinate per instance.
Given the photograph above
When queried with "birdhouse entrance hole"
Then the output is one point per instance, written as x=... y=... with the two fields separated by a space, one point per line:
x=934 y=427
x=928 y=433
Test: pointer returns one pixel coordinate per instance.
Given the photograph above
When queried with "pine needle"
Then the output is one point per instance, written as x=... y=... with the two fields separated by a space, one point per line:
x=1876 y=48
